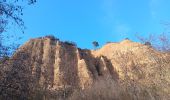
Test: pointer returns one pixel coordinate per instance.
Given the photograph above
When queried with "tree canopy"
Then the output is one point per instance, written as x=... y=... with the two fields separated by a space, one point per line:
x=95 y=44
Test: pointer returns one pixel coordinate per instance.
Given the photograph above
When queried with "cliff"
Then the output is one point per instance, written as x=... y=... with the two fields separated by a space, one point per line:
x=54 y=65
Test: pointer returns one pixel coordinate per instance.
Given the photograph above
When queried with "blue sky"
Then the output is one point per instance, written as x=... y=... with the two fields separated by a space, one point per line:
x=84 y=21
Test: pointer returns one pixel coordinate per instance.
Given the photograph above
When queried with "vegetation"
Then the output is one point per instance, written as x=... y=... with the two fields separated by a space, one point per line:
x=148 y=43
x=126 y=38
x=17 y=81
x=160 y=42
x=52 y=37
x=13 y=80
x=70 y=43
x=104 y=89
x=11 y=12
x=95 y=44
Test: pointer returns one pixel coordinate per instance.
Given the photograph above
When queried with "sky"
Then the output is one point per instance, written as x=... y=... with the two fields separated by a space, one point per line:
x=85 y=21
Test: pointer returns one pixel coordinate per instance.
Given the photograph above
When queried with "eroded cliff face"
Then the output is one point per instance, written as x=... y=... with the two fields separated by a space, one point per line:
x=55 y=64
x=52 y=64
x=145 y=71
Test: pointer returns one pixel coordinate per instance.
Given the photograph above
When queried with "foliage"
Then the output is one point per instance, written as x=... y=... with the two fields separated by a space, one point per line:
x=95 y=44
x=52 y=37
x=126 y=38
x=105 y=89
x=70 y=43
x=148 y=43
x=13 y=77
x=109 y=42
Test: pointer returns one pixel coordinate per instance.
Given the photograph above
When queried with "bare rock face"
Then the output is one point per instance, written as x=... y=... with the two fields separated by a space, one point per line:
x=54 y=65
x=142 y=69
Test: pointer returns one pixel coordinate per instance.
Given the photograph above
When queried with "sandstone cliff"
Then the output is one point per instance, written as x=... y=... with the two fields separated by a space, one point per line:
x=53 y=65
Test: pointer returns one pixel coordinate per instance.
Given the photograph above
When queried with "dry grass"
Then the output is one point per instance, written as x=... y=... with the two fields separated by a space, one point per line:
x=101 y=90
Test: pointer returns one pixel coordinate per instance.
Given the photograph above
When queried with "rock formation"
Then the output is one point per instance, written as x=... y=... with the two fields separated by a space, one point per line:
x=53 y=65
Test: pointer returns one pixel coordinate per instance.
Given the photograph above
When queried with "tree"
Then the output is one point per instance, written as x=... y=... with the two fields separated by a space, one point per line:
x=164 y=41
x=160 y=42
x=151 y=38
x=13 y=77
x=95 y=44
x=11 y=12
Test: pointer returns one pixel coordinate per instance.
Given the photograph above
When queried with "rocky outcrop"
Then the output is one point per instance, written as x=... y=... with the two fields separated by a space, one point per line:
x=54 y=65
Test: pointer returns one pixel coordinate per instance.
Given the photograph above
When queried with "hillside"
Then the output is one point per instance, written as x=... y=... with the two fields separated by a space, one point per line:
x=51 y=65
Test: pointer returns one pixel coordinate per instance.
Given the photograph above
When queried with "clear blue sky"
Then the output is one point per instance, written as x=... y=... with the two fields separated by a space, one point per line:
x=84 y=21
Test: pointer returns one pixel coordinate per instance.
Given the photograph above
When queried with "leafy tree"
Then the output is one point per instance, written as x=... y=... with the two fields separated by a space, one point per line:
x=95 y=44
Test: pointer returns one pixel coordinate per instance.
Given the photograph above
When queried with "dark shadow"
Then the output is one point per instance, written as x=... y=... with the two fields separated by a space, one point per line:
x=111 y=69
x=69 y=65
x=17 y=79
x=90 y=62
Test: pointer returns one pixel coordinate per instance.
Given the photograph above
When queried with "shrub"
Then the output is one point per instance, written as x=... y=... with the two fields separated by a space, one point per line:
x=126 y=38
x=110 y=42
x=148 y=43
x=101 y=90
x=52 y=37
x=71 y=43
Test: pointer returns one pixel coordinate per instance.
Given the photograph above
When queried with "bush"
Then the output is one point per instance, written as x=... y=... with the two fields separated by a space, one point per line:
x=101 y=90
x=52 y=37
x=108 y=42
x=71 y=43
x=126 y=38
x=148 y=43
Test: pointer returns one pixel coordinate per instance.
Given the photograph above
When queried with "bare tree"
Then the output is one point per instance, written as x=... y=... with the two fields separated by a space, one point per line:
x=164 y=42
x=150 y=39
x=11 y=12
x=160 y=42
x=13 y=74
